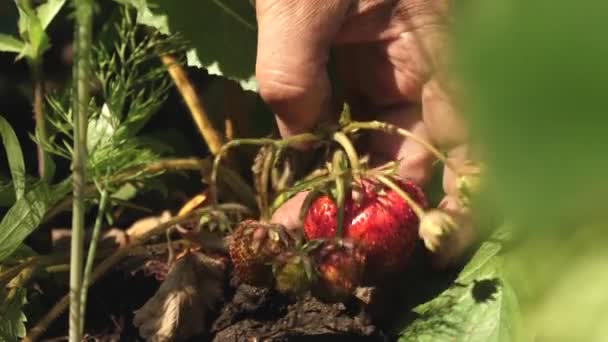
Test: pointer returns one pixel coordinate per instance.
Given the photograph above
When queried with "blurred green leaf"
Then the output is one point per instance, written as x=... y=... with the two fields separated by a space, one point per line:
x=562 y=278
x=10 y=44
x=14 y=155
x=12 y=324
x=480 y=305
x=537 y=75
x=47 y=11
x=27 y=213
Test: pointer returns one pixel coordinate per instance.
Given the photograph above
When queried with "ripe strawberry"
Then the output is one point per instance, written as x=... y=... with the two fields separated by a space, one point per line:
x=294 y=273
x=377 y=217
x=340 y=264
x=252 y=248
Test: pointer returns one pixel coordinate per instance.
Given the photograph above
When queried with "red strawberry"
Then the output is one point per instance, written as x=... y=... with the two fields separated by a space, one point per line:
x=340 y=264
x=378 y=218
x=253 y=247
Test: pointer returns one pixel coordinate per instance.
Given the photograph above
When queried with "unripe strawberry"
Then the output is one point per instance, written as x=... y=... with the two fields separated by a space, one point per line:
x=294 y=273
x=340 y=264
x=253 y=247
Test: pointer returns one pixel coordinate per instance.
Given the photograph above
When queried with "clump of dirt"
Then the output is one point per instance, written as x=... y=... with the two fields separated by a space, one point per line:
x=261 y=314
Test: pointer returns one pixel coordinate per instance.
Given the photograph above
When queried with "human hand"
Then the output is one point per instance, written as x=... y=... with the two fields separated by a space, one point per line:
x=389 y=58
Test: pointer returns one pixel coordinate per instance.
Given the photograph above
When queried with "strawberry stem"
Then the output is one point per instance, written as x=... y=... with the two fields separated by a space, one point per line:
x=279 y=143
x=265 y=178
x=340 y=189
x=392 y=129
x=348 y=147
x=407 y=198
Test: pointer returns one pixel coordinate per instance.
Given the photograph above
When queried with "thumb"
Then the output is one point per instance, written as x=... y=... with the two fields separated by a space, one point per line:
x=294 y=39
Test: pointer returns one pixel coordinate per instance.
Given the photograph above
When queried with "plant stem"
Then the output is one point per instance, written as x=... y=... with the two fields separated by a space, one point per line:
x=278 y=143
x=392 y=129
x=197 y=110
x=340 y=190
x=348 y=147
x=265 y=212
x=103 y=201
x=82 y=73
x=230 y=178
x=38 y=108
x=407 y=198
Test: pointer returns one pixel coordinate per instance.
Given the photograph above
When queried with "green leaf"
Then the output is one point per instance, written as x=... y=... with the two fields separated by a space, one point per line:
x=539 y=105
x=100 y=130
x=7 y=192
x=15 y=156
x=147 y=16
x=10 y=44
x=47 y=11
x=12 y=324
x=32 y=31
x=125 y=193
x=223 y=34
x=27 y=213
x=480 y=306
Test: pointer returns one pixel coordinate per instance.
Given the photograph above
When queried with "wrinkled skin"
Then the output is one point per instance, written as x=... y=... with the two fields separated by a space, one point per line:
x=379 y=220
x=391 y=56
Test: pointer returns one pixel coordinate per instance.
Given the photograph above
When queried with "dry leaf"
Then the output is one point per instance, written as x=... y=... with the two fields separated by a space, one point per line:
x=194 y=203
x=146 y=224
x=180 y=307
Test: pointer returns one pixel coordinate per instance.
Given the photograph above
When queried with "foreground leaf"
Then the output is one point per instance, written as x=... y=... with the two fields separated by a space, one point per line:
x=27 y=213
x=538 y=106
x=14 y=155
x=223 y=34
x=479 y=306
x=12 y=326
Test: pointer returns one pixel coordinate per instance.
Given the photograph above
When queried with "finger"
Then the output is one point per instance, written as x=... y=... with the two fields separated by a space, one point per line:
x=294 y=39
x=446 y=126
x=288 y=213
x=448 y=131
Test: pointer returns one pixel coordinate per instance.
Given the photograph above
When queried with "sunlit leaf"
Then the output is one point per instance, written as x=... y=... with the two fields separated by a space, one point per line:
x=15 y=157
x=32 y=31
x=10 y=44
x=100 y=129
x=480 y=306
x=47 y=11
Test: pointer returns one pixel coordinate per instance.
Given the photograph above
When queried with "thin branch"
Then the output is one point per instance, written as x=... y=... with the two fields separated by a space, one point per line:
x=183 y=84
x=229 y=178
x=103 y=201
